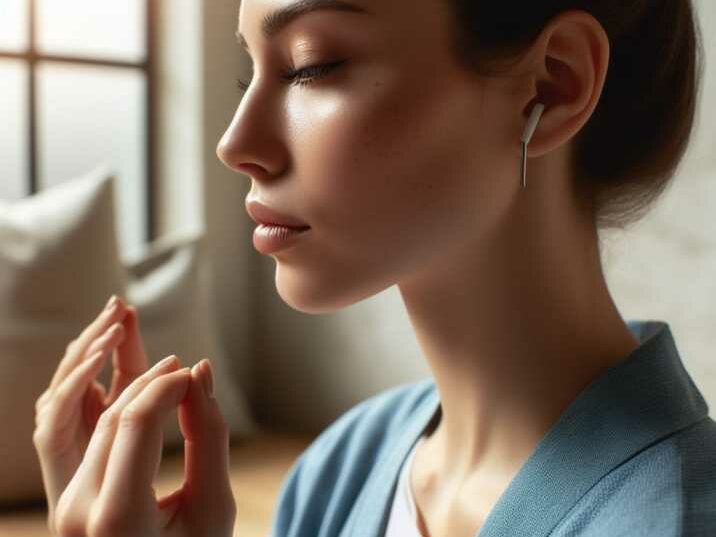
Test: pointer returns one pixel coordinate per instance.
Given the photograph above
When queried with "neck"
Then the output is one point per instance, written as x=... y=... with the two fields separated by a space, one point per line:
x=513 y=326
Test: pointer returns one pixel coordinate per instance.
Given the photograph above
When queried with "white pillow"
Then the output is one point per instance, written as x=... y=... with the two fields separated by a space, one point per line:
x=170 y=287
x=59 y=263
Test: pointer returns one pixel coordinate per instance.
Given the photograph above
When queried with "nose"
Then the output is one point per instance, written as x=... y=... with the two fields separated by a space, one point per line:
x=251 y=144
x=226 y=149
x=229 y=157
x=222 y=151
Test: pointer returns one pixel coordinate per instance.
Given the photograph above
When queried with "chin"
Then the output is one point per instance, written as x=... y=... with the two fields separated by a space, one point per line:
x=302 y=295
x=321 y=294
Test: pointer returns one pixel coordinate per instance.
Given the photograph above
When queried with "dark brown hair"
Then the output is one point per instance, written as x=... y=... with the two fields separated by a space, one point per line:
x=628 y=151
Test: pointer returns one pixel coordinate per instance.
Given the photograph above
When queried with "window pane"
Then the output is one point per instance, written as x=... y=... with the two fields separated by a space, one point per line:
x=13 y=25
x=95 y=28
x=14 y=180
x=92 y=114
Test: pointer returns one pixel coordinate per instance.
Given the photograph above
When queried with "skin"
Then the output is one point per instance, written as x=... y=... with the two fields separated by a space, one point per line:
x=86 y=440
x=407 y=169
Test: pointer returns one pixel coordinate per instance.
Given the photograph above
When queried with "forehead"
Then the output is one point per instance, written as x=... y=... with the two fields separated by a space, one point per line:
x=394 y=24
x=274 y=15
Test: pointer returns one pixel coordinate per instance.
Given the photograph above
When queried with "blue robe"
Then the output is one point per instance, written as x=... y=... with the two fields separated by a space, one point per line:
x=633 y=455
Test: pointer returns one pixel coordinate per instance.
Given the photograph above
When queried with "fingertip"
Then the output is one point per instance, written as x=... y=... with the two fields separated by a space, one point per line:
x=181 y=382
x=185 y=373
x=195 y=372
x=207 y=377
x=196 y=382
x=120 y=328
x=120 y=304
x=130 y=316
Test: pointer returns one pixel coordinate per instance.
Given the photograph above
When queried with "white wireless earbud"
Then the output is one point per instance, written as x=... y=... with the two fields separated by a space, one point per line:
x=527 y=136
x=532 y=122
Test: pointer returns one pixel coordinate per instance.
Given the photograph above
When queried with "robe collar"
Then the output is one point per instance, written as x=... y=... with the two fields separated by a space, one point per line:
x=637 y=402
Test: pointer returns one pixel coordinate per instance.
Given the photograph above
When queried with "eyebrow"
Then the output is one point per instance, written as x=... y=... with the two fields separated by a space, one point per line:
x=277 y=20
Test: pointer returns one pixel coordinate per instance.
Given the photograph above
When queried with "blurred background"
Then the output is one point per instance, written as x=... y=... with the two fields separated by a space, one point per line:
x=109 y=183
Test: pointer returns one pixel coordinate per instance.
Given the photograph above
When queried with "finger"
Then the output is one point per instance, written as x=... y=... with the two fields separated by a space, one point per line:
x=53 y=437
x=92 y=469
x=130 y=359
x=138 y=443
x=206 y=445
x=93 y=404
x=65 y=404
x=168 y=507
x=48 y=399
x=76 y=350
x=110 y=339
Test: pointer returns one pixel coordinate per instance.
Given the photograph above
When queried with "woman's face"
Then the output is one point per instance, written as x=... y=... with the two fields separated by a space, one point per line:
x=396 y=157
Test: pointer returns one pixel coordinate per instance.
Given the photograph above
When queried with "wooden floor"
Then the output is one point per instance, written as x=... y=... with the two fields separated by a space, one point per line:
x=257 y=471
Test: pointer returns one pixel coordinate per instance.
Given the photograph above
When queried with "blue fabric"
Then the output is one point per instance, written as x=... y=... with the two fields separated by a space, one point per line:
x=633 y=455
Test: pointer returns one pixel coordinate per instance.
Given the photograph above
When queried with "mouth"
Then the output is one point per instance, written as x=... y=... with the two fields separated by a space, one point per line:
x=270 y=217
x=270 y=238
x=275 y=225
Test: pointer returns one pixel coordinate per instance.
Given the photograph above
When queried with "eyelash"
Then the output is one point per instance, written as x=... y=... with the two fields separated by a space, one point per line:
x=298 y=77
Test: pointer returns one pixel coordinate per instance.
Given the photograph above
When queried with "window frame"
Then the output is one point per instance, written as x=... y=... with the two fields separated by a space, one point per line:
x=31 y=57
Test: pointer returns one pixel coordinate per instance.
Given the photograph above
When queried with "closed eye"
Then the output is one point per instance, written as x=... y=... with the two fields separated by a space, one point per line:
x=301 y=77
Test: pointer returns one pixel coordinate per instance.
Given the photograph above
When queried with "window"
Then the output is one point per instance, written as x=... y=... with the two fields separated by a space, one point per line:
x=77 y=88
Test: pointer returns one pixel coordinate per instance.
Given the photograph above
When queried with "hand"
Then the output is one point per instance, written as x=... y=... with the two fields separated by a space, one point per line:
x=111 y=493
x=67 y=411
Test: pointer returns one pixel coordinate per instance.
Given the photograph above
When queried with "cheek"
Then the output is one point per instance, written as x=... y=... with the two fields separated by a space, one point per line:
x=384 y=166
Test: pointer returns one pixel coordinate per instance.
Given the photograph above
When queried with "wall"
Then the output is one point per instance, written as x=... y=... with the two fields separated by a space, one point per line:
x=197 y=96
x=665 y=267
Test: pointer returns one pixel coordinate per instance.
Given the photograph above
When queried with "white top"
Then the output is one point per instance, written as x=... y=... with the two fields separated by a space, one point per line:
x=403 y=521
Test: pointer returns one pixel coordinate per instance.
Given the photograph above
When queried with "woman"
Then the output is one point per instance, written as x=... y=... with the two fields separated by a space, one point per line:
x=390 y=138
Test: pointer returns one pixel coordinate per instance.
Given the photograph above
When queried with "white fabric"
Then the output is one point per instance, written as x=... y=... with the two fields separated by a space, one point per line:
x=59 y=264
x=403 y=520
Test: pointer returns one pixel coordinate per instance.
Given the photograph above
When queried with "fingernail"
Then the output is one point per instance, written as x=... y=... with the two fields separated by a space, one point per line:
x=111 y=310
x=207 y=377
x=111 y=302
x=165 y=362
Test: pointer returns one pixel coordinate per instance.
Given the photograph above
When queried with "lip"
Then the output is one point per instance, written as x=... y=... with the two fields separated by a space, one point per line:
x=269 y=239
x=261 y=214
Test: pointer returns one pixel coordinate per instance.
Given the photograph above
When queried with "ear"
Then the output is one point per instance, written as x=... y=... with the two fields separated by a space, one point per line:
x=568 y=67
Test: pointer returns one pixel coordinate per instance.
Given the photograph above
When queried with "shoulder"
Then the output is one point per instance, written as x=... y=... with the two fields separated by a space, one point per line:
x=324 y=481
x=666 y=490
x=696 y=446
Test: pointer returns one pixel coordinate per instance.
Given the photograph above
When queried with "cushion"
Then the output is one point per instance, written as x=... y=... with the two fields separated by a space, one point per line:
x=170 y=286
x=59 y=264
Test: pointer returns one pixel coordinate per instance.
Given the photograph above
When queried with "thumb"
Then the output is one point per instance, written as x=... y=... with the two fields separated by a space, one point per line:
x=207 y=487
